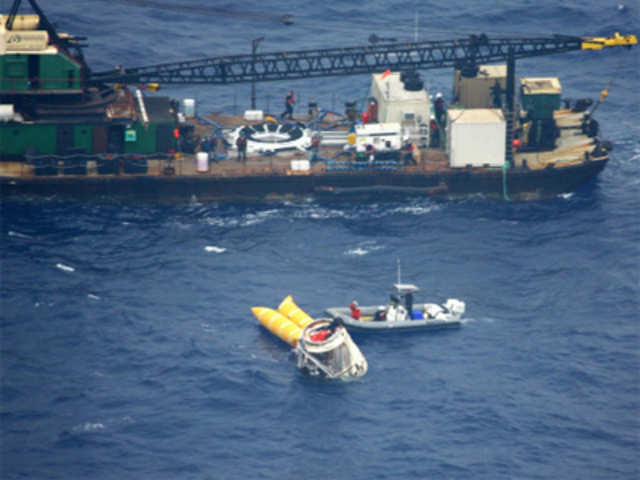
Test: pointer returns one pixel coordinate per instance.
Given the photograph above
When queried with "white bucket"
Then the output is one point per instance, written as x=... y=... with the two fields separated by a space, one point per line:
x=300 y=165
x=202 y=162
x=253 y=115
x=6 y=112
x=189 y=105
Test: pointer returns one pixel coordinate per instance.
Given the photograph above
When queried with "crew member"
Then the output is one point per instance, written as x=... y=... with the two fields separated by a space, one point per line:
x=355 y=310
x=213 y=147
x=313 y=149
x=370 y=152
x=407 y=150
x=380 y=315
x=439 y=107
x=434 y=133
x=516 y=144
x=289 y=102
x=205 y=144
x=334 y=324
x=241 y=143
x=176 y=136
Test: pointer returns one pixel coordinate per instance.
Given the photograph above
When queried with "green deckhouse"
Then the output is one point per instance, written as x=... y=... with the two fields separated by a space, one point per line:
x=47 y=106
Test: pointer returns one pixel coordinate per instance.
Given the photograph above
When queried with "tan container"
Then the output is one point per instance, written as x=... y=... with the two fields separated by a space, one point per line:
x=23 y=41
x=22 y=22
x=476 y=92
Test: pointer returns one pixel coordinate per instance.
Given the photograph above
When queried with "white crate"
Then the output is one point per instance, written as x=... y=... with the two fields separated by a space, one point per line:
x=476 y=137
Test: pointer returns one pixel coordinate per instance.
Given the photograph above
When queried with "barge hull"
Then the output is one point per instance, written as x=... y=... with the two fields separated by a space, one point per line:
x=514 y=184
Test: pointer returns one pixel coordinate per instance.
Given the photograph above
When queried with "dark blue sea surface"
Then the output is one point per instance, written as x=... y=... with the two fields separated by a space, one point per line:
x=128 y=348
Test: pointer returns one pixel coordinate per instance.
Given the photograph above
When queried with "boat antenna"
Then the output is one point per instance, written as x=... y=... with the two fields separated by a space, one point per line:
x=398 y=269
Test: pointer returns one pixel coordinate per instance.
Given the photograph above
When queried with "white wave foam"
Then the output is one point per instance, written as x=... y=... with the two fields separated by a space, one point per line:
x=93 y=297
x=88 y=427
x=466 y=320
x=363 y=248
x=65 y=268
x=416 y=210
x=566 y=196
x=208 y=328
x=18 y=234
x=214 y=249
x=244 y=221
x=260 y=217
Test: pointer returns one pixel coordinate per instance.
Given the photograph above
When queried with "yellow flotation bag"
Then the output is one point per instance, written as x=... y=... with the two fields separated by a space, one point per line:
x=289 y=309
x=278 y=324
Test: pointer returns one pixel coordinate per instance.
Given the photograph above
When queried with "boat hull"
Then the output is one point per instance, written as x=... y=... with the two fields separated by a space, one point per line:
x=516 y=184
x=375 y=326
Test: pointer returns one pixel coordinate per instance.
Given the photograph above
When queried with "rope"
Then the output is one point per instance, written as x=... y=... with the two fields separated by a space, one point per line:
x=505 y=167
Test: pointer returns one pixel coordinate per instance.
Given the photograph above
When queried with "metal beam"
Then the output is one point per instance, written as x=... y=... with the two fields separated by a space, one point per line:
x=340 y=61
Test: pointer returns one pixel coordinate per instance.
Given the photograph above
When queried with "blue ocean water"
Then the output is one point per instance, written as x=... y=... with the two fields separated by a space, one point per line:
x=128 y=349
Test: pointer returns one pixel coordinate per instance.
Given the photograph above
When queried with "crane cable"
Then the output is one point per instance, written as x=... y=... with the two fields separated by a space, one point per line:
x=605 y=93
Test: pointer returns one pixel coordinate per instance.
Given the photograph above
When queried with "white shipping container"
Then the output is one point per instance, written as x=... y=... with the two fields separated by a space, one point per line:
x=476 y=137
x=394 y=101
x=378 y=134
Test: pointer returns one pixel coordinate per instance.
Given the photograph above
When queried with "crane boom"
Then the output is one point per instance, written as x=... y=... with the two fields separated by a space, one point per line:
x=462 y=53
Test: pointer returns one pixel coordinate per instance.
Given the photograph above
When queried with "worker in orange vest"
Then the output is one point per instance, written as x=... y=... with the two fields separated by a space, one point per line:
x=176 y=135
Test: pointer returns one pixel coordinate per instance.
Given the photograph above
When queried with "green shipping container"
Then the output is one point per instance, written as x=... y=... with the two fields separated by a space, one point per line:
x=17 y=139
x=540 y=96
x=14 y=72
x=145 y=139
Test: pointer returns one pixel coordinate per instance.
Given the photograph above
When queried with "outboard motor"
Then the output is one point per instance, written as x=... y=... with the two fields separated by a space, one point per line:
x=455 y=306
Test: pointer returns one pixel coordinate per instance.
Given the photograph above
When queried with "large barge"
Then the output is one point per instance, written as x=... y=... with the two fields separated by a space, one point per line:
x=534 y=175
x=65 y=131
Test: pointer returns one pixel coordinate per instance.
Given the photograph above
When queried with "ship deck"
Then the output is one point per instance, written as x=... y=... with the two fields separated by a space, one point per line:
x=572 y=148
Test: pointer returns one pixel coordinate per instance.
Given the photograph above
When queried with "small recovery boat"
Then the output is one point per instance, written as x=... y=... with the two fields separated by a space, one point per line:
x=323 y=347
x=400 y=314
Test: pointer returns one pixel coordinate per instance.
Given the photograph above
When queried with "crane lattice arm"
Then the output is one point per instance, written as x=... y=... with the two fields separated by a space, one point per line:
x=463 y=53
